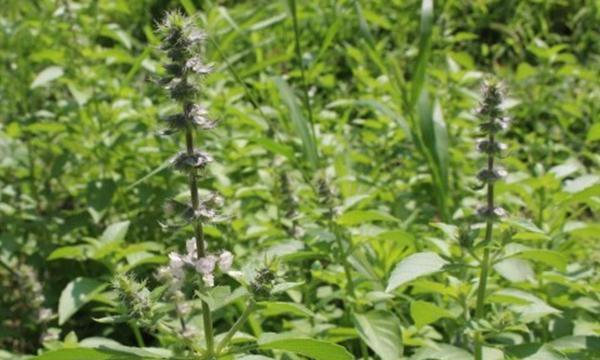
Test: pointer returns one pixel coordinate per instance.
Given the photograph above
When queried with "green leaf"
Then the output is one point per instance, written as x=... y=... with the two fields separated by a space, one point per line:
x=81 y=353
x=581 y=183
x=434 y=146
x=189 y=7
x=312 y=348
x=576 y=343
x=47 y=75
x=414 y=266
x=275 y=147
x=515 y=270
x=300 y=124
x=548 y=257
x=594 y=133
x=400 y=238
x=76 y=294
x=125 y=352
x=441 y=352
x=524 y=70
x=424 y=313
x=99 y=197
x=69 y=252
x=276 y=308
x=115 y=233
x=533 y=351
x=115 y=32
x=356 y=217
x=425 y=30
x=381 y=331
x=529 y=307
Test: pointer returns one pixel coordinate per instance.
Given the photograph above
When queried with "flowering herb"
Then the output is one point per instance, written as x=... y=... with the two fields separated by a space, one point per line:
x=183 y=44
x=492 y=122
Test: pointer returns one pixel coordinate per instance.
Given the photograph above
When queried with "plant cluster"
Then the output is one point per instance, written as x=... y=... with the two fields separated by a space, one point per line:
x=344 y=160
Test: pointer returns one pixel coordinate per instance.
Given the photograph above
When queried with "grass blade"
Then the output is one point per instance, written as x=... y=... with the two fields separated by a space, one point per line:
x=426 y=27
x=300 y=124
x=298 y=49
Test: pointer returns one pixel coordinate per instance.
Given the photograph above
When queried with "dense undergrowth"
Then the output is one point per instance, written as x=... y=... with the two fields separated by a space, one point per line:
x=348 y=155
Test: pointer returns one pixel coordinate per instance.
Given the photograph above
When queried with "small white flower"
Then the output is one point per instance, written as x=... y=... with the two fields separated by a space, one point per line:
x=45 y=315
x=206 y=265
x=163 y=272
x=196 y=35
x=196 y=65
x=205 y=213
x=225 y=261
x=190 y=332
x=178 y=276
x=209 y=280
x=175 y=261
x=199 y=115
x=190 y=246
x=183 y=308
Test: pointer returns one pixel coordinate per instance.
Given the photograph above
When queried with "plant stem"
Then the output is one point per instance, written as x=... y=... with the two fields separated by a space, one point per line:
x=485 y=263
x=199 y=234
x=238 y=324
x=347 y=272
x=340 y=254
x=138 y=335
x=298 y=50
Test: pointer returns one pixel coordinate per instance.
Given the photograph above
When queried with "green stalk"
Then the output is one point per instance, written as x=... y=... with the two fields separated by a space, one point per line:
x=137 y=334
x=298 y=49
x=485 y=262
x=199 y=234
x=236 y=327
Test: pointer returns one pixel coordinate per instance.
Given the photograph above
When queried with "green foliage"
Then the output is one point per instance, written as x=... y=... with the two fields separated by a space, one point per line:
x=346 y=156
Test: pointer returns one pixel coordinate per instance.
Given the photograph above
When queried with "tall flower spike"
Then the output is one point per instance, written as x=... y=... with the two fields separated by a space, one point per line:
x=492 y=122
x=183 y=42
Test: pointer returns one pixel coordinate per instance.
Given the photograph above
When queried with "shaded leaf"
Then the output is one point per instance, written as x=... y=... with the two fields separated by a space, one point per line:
x=76 y=294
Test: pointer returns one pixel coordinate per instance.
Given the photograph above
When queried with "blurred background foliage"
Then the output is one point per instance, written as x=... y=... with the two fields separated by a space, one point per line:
x=370 y=100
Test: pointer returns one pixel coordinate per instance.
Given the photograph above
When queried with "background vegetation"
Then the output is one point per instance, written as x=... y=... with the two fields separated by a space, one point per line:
x=346 y=144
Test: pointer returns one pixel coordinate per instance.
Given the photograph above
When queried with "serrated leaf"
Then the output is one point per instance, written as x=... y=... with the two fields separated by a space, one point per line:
x=414 y=266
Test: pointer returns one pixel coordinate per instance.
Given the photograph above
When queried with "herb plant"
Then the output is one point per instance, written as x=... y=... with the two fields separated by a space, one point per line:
x=344 y=159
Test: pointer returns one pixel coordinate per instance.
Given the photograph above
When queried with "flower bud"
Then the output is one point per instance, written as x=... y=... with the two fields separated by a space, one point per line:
x=490 y=176
x=187 y=162
x=495 y=213
x=485 y=146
